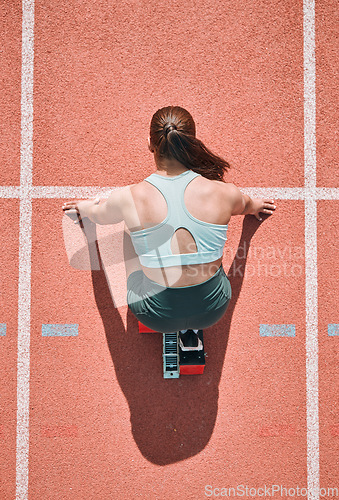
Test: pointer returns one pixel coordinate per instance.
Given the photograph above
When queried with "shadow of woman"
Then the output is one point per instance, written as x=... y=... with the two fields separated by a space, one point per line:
x=171 y=420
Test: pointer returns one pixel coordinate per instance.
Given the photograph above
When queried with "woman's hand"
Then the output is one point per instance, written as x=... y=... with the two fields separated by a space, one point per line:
x=264 y=206
x=81 y=207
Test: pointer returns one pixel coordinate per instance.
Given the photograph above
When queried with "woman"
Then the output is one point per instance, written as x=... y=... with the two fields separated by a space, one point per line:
x=176 y=222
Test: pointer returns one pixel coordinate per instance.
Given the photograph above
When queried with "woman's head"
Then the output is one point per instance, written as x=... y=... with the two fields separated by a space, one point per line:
x=172 y=135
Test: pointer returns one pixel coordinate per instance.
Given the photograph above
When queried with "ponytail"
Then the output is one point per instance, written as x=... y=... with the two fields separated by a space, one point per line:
x=172 y=132
x=192 y=153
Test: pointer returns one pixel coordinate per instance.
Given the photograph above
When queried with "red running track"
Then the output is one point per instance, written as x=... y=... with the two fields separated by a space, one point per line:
x=101 y=422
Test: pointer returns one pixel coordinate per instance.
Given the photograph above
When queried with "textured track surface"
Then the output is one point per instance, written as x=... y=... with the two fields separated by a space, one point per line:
x=84 y=410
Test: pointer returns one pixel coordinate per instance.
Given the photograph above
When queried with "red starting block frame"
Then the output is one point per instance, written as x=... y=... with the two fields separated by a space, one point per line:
x=144 y=329
x=176 y=361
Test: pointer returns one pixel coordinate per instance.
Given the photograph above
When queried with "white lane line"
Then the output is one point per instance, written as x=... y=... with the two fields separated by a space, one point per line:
x=277 y=193
x=312 y=396
x=309 y=95
x=327 y=193
x=282 y=193
x=25 y=247
x=311 y=284
x=9 y=191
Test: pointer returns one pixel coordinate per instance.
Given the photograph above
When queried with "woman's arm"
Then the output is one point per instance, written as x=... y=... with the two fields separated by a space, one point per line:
x=242 y=204
x=108 y=212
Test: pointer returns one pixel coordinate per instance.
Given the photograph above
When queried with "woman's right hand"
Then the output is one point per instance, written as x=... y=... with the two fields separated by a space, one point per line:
x=262 y=205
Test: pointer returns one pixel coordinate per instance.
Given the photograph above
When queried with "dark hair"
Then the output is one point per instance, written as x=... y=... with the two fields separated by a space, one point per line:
x=172 y=134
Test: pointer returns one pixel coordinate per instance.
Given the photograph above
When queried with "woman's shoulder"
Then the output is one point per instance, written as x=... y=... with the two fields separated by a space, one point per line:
x=226 y=186
x=144 y=187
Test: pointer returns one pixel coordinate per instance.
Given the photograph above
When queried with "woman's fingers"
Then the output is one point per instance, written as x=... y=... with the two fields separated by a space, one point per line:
x=268 y=208
x=74 y=204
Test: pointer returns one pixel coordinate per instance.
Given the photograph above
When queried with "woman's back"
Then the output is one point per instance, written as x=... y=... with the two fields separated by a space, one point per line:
x=205 y=200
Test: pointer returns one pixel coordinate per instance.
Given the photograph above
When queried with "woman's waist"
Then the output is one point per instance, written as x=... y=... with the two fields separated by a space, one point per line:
x=184 y=275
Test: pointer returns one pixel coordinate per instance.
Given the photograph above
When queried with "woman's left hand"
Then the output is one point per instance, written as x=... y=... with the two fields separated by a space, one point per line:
x=81 y=207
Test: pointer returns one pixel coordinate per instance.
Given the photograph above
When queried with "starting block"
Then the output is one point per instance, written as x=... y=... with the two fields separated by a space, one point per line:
x=175 y=361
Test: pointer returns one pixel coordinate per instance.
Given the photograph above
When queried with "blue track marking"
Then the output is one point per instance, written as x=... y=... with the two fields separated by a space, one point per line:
x=59 y=330
x=2 y=329
x=277 y=330
x=333 y=329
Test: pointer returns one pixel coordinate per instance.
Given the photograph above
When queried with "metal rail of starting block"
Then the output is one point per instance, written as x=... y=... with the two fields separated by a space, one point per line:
x=170 y=354
x=175 y=361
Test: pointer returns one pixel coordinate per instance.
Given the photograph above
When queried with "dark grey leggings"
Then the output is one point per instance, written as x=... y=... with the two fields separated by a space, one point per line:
x=169 y=309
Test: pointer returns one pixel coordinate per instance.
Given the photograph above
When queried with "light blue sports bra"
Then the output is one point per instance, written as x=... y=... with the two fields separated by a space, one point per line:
x=153 y=245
